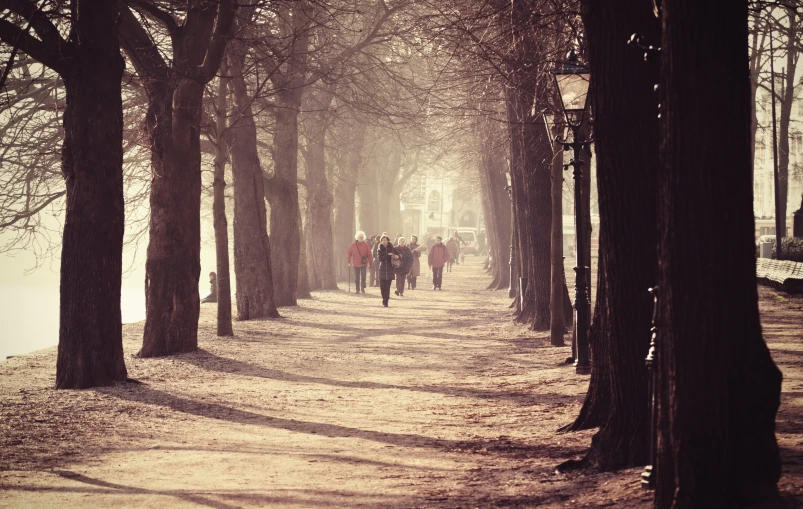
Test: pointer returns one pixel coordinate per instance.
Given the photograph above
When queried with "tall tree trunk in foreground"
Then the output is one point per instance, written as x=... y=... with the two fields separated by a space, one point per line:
x=224 y=327
x=252 y=246
x=175 y=94
x=626 y=134
x=345 y=194
x=90 y=335
x=90 y=351
x=719 y=388
x=597 y=404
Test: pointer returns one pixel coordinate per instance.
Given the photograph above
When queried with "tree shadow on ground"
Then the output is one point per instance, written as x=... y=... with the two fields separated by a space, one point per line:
x=498 y=446
x=206 y=360
x=234 y=498
x=363 y=332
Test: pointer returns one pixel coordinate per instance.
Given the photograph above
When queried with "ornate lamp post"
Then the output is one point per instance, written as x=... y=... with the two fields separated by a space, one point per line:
x=572 y=80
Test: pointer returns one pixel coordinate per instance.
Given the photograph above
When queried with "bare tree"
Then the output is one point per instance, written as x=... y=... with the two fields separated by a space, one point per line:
x=175 y=94
x=91 y=67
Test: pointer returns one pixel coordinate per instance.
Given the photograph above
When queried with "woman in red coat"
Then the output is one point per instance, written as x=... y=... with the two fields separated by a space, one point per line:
x=438 y=256
x=358 y=255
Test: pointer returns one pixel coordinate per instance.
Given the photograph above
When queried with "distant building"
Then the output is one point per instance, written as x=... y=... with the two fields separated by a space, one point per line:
x=439 y=205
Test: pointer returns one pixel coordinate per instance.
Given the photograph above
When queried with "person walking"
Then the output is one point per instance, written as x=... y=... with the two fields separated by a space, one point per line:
x=358 y=256
x=386 y=272
x=453 y=248
x=406 y=257
x=415 y=270
x=438 y=257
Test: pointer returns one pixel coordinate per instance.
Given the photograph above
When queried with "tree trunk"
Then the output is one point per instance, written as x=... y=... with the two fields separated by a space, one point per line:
x=497 y=202
x=389 y=212
x=173 y=266
x=252 y=246
x=787 y=101
x=719 y=389
x=303 y=291
x=520 y=210
x=90 y=349
x=557 y=327
x=597 y=404
x=318 y=236
x=626 y=133
x=532 y=161
x=282 y=192
x=345 y=194
x=537 y=157
x=173 y=120
x=224 y=326
x=368 y=193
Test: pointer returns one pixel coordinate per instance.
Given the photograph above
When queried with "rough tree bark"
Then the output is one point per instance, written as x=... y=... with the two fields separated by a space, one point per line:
x=719 y=389
x=289 y=79
x=497 y=201
x=224 y=326
x=531 y=160
x=173 y=119
x=626 y=134
x=345 y=194
x=90 y=351
x=252 y=246
x=318 y=236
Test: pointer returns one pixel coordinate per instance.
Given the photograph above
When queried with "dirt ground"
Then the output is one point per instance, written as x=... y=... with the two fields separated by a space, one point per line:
x=438 y=401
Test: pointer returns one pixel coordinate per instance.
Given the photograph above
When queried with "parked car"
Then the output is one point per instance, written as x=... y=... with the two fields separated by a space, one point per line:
x=470 y=238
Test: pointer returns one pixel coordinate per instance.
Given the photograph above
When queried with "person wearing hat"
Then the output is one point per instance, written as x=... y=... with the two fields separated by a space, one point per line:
x=386 y=253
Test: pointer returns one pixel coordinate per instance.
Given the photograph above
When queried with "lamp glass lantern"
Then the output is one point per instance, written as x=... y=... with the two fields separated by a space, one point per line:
x=572 y=80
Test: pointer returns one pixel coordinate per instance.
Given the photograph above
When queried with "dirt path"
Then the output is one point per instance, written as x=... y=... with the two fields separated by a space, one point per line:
x=437 y=401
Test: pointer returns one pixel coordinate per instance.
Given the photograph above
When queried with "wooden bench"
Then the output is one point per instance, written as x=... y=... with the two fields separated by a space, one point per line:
x=780 y=274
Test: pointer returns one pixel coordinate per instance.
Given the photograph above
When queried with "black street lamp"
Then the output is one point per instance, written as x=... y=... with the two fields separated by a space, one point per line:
x=572 y=80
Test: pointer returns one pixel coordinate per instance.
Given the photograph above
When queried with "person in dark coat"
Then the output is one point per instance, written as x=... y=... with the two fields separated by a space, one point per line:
x=212 y=297
x=386 y=253
x=406 y=257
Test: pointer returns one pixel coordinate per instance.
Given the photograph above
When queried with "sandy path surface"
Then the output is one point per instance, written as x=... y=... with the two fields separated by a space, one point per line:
x=437 y=401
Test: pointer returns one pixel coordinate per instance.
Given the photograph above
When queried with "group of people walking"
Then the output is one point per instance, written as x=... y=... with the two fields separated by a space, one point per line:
x=386 y=262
